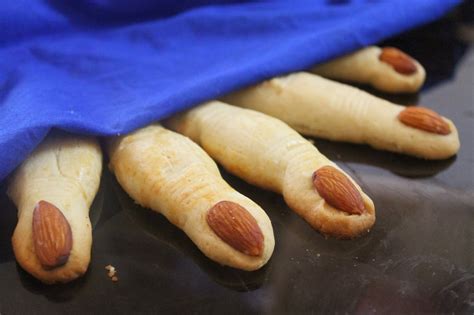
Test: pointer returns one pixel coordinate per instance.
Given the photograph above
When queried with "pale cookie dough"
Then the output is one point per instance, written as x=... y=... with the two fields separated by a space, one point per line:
x=266 y=152
x=170 y=174
x=65 y=171
x=364 y=66
x=323 y=108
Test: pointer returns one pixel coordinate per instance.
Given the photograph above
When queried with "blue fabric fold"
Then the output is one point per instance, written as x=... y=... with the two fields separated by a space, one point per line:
x=104 y=68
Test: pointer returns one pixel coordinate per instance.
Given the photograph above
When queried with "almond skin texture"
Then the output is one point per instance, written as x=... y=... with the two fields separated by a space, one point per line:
x=337 y=190
x=237 y=227
x=424 y=119
x=401 y=62
x=52 y=236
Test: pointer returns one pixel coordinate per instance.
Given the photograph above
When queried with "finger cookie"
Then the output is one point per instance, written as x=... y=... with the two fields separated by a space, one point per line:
x=323 y=108
x=170 y=174
x=387 y=69
x=53 y=190
x=266 y=152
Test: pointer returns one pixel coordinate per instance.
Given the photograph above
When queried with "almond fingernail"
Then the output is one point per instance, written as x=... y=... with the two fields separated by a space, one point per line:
x=401 y=62
x=337 y=190
x=52 y=236
x=424 y=119
x=237 y=227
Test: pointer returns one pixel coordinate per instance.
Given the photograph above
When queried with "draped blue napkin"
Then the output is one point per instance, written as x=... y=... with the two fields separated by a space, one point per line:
x=106 y=67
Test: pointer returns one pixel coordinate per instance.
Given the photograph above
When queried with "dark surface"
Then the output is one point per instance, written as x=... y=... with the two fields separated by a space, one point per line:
x=419 y=257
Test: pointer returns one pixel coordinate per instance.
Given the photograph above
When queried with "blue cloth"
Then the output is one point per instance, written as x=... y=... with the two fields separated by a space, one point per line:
x=103 y=67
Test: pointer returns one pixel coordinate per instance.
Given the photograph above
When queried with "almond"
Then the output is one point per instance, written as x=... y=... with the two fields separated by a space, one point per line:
x=237 y=227
x=401 y=62
x=424 y=119
x=52 y=236
x=337 y=190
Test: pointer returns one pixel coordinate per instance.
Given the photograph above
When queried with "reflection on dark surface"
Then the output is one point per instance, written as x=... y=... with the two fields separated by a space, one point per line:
x=55 y=293
x=161 y=229
x=456 y=284
x=456 y=297
x=8 y=219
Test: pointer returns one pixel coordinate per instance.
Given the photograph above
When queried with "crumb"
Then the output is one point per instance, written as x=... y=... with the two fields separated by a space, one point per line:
x=111 y=272
x=310 y=140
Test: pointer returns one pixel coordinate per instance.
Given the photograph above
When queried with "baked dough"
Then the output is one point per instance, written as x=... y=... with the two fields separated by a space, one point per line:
x=319 y=107
x=265 y=152
x=364 y=66
x=170 y=174
x=65 y=171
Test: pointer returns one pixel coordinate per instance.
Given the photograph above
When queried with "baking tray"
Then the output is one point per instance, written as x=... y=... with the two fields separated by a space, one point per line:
x=418 y=258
